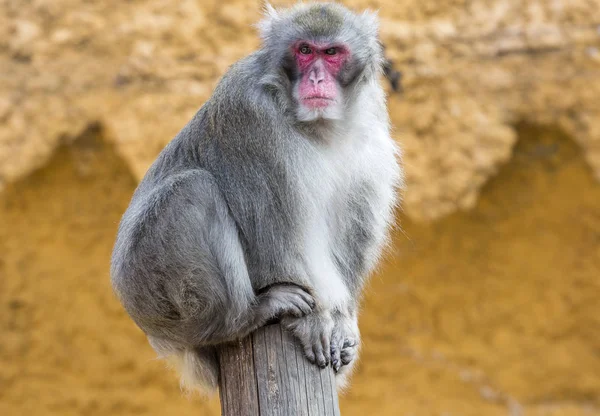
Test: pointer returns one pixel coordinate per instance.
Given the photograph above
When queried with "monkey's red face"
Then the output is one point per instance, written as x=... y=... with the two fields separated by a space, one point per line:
x=319 y=66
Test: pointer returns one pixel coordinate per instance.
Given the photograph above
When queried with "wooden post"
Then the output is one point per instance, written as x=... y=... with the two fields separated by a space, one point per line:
x=266 y=374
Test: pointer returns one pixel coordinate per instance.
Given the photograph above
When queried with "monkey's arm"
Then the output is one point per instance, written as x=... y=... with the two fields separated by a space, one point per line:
x=249 y=155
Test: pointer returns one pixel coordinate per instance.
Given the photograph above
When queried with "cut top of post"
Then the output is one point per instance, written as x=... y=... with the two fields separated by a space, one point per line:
x=267 y=374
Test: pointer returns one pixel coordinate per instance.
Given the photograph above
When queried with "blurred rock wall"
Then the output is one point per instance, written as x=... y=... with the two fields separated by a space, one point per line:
x=489 y=301
x=142 y=68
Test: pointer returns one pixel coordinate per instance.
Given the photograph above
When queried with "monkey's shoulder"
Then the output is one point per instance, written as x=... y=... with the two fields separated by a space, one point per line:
x=240 y=106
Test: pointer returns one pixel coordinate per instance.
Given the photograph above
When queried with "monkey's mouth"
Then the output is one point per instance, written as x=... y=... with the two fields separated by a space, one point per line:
x=317 y=101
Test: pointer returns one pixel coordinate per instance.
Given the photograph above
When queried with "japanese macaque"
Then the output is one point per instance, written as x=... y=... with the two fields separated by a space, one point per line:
x=272 y=203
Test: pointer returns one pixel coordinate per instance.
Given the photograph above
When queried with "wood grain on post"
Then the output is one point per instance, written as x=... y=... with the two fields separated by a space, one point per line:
x=266 y=374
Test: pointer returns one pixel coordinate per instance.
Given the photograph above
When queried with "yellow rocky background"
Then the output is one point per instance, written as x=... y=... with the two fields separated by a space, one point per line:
x=489 y=301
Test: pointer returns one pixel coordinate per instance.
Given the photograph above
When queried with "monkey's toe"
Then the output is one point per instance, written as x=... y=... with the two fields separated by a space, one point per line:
x=316 y=350
x=322 y=350
x=313 y=332
x=336 y=360
x=349 y=351
x=337 y=343
x=350 y=343
x=309 y=354
x=321 y=357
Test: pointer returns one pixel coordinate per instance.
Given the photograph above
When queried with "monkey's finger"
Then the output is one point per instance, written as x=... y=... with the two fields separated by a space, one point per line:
x=294 y=304
x=306 y=297
x=304 y=306
x=310 y=356
x=296 y=311
x=289 y=290
x=292 y=288
x=303 y=295
x=319 y=355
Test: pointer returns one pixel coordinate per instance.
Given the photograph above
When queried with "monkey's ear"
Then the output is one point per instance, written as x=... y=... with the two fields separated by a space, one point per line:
x=265 y=26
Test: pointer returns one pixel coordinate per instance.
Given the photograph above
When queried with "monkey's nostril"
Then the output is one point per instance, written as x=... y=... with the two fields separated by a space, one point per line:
x=316 y=78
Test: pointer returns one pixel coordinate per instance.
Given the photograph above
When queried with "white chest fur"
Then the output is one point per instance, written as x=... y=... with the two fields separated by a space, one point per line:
x=331 y=171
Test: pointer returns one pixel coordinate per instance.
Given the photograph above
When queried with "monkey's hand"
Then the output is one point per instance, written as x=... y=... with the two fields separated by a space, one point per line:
x=345 y=341
x=282 y=300
x=314 y=334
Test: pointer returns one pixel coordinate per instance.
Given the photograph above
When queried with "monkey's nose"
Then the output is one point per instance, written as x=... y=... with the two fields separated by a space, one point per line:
x=316 y=77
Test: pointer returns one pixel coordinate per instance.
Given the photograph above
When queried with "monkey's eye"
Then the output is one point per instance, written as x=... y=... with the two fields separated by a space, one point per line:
x=331 y=51
x=305 y=50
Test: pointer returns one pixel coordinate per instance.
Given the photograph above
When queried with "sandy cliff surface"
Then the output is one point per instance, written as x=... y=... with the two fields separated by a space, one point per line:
x=141 y=69
x=488 y=304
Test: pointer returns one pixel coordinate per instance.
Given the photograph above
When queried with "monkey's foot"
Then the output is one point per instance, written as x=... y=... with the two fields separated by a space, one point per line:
x=314 y=334
x=344 y=343
x=283 y=300
x=344 y=355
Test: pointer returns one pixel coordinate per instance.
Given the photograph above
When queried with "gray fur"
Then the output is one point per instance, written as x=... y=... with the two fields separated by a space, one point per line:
x=249 y=214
